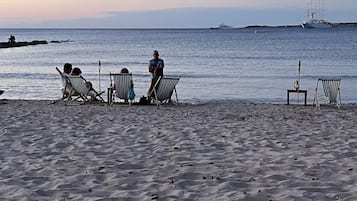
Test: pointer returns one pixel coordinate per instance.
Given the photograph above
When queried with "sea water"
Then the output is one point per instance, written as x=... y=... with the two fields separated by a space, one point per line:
x=249 y=65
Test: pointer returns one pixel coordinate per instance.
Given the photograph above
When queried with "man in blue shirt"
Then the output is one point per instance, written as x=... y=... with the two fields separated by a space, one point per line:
x=156 y=68
x=156 y=65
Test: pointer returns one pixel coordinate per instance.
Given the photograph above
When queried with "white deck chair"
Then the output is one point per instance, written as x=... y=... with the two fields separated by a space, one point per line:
x=66 y=85
x=331 y=89
x=120 y=84
x=80 y=88
x=163 y=89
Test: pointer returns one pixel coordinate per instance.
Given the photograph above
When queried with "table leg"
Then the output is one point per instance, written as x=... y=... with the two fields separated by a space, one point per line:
x=287 y=99
x=110 y=92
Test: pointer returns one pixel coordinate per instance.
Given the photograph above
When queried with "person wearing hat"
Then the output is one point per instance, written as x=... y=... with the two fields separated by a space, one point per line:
x=156 y=68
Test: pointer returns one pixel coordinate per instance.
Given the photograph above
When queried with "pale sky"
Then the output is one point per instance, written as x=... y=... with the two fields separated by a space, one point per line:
x=42 y=13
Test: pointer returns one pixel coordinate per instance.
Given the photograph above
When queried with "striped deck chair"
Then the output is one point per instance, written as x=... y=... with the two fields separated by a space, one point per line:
x=80 y=88
x=66 y=85
x=331 y=90
x=163 y=89
x=121 y=84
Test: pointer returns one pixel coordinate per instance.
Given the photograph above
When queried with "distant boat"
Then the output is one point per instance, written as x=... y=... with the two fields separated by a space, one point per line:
x=223 y=26
x=317 y=24
x=316 y=16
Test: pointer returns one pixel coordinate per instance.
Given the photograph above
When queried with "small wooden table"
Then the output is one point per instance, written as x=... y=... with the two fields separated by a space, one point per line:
x=296 y=91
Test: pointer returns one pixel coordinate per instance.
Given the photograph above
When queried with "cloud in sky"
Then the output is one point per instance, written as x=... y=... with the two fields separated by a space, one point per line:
x=166 y=13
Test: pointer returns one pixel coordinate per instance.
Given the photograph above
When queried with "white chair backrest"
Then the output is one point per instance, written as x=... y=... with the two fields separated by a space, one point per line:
x=66 y=84
x=331 y=88
x=122 y=82
x=64 y=80
x=165 y=88
x=79 y=85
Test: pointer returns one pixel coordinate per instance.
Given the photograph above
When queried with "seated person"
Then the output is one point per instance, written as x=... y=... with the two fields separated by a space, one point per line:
x=66 y=90
x=131 y=93
x=91 y=91
x=67 y=69
x=124 y=70
x=76 y=72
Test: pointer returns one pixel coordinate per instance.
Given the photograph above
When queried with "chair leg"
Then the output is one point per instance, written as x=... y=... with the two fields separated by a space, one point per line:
x=315 y=96
x=339 y=97
x=177 y=101
x=156 y=99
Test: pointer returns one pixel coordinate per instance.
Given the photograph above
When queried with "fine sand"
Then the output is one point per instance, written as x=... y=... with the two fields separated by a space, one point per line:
x=213 y=151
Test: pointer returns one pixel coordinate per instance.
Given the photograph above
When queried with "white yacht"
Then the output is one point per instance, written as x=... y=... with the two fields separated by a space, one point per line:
x=316 y=16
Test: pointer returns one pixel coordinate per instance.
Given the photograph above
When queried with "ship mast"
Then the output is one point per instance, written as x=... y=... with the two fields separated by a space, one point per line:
x=317 y=9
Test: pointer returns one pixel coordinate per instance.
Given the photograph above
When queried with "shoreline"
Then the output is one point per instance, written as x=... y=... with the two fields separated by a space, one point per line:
x=222 y=151
x=293 y=103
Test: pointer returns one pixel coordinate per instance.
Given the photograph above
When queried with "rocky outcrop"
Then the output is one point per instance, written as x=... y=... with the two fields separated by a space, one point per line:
x=25 y=43
x=21 y=44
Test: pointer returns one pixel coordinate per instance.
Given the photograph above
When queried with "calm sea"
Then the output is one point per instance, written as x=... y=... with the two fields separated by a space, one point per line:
x=256 y=65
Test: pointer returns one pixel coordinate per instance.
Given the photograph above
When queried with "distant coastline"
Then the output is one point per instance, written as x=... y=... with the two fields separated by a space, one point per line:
x=343 y=24
x=340 y=24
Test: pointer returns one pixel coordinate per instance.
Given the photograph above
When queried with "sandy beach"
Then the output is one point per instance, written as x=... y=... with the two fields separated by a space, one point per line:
x=213 y=151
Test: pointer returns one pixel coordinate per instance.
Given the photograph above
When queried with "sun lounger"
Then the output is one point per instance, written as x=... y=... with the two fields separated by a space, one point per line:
x=80 y=88
x=163 y=90
x=331 y=90
x=121 y=87
x=66 y=85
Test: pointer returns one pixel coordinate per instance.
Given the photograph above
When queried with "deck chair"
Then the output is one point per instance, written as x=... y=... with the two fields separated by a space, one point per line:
x=163 y=89
x=120 y=84
x=331 y=90
x=80 y=89
x=66 y=85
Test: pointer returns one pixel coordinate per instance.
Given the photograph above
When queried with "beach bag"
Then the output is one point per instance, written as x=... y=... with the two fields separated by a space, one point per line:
x=143 y=101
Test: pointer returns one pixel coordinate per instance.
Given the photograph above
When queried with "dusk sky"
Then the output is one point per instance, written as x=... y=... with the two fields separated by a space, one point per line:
x=164 y=13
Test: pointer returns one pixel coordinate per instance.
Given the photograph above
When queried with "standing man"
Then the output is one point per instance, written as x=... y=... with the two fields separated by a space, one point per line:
x=156 y=65
x=156 y=68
